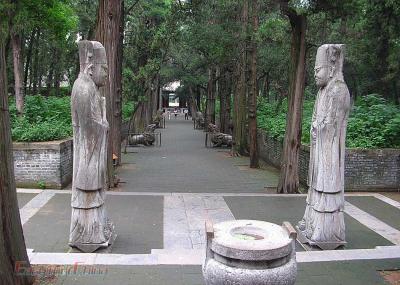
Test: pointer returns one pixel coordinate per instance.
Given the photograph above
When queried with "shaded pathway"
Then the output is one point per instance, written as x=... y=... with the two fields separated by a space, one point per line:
x=183 y=164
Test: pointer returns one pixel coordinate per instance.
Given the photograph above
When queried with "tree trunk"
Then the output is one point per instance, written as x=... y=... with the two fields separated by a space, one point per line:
x=29 y=59
x=198 y=98
x=240 y=97
x=13 y=255
x=289 y=177
x=253 y=90
x=154 y=95
x=138 y=123
x=192 y=103
x=57 y=71
x=35 y=74
x=109 y=31
x=16 y=43
x=267 y=86
x=149 y=102
x=225 y=100
x=223 y=85
x=50 y=75
x=210 y=106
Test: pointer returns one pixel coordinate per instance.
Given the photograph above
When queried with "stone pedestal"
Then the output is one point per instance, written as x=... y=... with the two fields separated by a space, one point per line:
x=322 y=245
x=249 y=252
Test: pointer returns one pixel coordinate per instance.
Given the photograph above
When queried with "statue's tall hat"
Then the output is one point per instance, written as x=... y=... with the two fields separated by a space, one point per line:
x=91 y=52
x=332 y=55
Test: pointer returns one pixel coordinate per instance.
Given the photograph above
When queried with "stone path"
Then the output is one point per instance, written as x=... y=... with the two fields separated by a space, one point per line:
x=184 y=218
x=166 y=195
x=183 y=164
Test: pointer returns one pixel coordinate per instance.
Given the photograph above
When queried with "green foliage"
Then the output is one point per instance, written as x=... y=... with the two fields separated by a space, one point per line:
x=41 y=184
x=373 y=122
x=150 y=27
x=272 y=117
x=127 y=109
x=54 y=15
x=45 y=119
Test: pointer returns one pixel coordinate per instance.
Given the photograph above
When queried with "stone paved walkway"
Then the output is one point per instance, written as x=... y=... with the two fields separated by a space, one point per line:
x=183 y=164
x=160 y=207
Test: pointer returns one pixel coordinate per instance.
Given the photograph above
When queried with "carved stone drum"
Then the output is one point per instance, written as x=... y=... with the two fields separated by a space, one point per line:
x=249 y=252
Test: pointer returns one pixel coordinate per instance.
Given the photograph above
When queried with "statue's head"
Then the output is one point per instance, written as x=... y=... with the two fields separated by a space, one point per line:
x=328 y=64
x=93 y=61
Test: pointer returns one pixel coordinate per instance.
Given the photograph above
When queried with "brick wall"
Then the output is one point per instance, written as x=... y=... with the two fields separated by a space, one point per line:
x=365 y=170
x=48 y=162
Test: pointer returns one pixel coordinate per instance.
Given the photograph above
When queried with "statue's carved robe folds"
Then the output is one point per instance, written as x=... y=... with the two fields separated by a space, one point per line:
x=89 y=223
x=323 y=221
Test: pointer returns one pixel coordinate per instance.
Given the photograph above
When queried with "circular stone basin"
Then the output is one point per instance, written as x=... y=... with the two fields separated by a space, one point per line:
x=248 y=233
x=251 y=240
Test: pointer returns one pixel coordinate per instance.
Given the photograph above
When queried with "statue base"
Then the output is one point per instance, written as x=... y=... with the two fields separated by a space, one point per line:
x=105 y=247
x=325 y=245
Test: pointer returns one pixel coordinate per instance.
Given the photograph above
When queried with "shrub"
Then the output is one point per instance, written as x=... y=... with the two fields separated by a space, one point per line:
x=47 y=118
x=272 y=117
x=44 y=119
x=373 y=122
x=127 y=109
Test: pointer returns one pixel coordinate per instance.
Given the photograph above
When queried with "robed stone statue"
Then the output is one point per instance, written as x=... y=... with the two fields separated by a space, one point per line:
x=90 y=227
x=323 y=221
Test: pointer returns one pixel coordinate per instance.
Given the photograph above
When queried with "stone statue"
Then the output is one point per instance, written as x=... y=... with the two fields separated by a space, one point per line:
x=218 y=138
x=90 y=227
x=323 y=221
x=199 y=120
x=147 y=138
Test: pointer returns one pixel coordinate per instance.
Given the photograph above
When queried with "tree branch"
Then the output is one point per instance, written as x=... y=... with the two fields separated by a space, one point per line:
x=127 y=11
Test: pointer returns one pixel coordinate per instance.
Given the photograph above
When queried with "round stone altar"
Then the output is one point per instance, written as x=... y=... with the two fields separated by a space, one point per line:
x=249 y=252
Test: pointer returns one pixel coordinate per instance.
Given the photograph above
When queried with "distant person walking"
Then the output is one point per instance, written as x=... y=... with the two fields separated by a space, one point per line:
x=186 y=111
x=169 y=115
x=175 y=113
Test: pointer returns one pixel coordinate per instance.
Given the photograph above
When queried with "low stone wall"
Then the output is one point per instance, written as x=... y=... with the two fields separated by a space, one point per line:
x=43 y=162
x=365 y=170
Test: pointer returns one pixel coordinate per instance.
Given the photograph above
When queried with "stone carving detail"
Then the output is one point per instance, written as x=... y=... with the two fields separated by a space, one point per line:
x=147 y=138
x=199 y=120
x=323 y=221
x=218 y=138
x=90 y=227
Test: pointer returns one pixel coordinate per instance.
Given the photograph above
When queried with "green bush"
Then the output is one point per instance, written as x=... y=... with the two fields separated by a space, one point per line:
x=373 y=122
x=272 y=117
x=44 y=119
x=127 y=109
x=47 y=118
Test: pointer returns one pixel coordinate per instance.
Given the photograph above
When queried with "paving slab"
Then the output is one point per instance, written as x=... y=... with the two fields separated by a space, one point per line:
x=48 y=229
x=344 y=272
x=184 y=164
x=392 y=195
x=379 y=209
x=138 y=221
x=24 y=198
x=139 y=275
x=335 y=273
x=280 y=209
